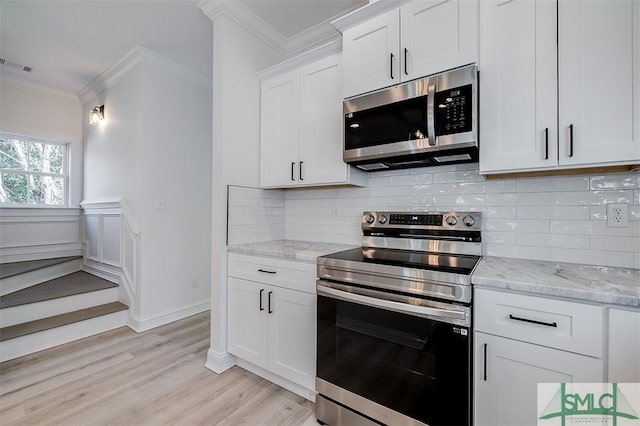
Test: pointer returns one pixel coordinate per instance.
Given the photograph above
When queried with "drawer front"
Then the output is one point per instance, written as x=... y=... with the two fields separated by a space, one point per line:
x=290 y=274
x=560 y=324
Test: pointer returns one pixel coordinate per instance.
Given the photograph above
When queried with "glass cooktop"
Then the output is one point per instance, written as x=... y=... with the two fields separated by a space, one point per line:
x=444 y=262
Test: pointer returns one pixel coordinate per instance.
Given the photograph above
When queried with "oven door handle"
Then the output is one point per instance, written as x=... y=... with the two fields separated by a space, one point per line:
x=358 y=295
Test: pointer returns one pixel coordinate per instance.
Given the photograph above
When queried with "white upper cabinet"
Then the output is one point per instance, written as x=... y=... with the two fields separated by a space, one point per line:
x=599 y=81
x=560 y=84
x=279 y=130
x=371 y=57
x=420 y=38
x=518 y=76
x=301 y=130
x=437 y=35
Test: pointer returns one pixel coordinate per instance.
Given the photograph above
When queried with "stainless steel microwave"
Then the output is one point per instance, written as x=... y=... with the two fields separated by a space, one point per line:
x=424 y=122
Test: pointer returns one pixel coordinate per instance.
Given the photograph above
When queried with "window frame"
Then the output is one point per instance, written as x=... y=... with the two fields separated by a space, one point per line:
x=64 y=175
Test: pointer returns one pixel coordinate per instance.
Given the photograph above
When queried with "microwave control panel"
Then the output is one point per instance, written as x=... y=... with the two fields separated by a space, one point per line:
x=453 y=110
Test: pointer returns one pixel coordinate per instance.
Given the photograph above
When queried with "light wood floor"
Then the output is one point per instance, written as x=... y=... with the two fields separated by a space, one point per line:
x=153 y=378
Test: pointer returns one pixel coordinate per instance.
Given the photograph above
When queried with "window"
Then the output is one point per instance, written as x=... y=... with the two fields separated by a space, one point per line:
x=33 y=172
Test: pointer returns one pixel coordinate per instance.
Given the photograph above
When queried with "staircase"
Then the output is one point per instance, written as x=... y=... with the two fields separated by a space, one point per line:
x=48 y=302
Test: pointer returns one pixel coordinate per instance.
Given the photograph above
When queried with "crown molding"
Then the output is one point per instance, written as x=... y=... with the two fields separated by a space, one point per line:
x=332 y=47
x=366 y=12
x=21 y=83
x=317 y=35
x=135 y=56
x=244 y=17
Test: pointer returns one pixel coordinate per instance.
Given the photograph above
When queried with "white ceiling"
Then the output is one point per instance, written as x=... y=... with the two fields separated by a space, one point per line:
x=68 y=43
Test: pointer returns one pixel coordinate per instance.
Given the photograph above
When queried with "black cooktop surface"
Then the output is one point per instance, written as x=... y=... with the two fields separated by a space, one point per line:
x=443 y=262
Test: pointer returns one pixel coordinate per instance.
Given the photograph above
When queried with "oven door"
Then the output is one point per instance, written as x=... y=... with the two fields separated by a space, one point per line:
x=392 y=360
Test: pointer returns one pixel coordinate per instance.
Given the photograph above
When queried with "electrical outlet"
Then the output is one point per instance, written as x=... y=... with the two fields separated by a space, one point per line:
x=617 y=215
x=195 y=283
x=163 y=203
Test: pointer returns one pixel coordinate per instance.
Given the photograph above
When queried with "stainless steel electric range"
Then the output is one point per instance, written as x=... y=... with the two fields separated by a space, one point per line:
x=394 y=322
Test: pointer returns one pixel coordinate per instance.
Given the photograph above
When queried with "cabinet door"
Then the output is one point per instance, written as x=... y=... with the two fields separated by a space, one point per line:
x=279 y=131
x=247 y=324
x=321 y=122
x=437 y=35
x=371 y=54
x=599 y=71
x=292 y=336
x=518 y=78
x=624 y=346
x=506 y=390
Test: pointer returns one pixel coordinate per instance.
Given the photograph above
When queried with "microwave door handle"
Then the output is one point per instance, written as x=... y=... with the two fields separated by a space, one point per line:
x=431 y=127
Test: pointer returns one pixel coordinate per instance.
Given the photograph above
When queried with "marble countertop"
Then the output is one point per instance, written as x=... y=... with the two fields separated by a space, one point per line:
x=602 y=284
x=306 y=251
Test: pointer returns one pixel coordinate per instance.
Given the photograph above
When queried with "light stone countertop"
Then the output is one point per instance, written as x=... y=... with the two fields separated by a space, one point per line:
x=306 y=251
x=604 y=284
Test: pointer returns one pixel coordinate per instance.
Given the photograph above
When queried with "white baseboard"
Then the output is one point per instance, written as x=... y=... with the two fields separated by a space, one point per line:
x=280 y=381
x=106 y=273
x=219 y=362
x=37 y=276
x=143 y=324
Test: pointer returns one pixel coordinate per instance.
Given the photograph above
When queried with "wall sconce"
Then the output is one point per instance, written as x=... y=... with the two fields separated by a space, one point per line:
x=96 y=115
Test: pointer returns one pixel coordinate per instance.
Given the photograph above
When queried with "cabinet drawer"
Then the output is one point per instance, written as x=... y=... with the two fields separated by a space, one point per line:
x=291 y=274
x=570 y=326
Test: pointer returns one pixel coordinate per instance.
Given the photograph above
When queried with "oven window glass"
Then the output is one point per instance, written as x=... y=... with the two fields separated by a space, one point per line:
x=401 y=121
x=415 y=366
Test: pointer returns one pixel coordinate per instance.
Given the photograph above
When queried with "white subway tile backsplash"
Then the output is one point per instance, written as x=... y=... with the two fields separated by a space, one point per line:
x=593 y=257
x=582 y=227
x=582 y=198
x=616 y=181
x=519 y=252
x=559 y=218
x=488 y=187
x=458 y=176
x=519 y=199
x=610 y=243
x=553 y=184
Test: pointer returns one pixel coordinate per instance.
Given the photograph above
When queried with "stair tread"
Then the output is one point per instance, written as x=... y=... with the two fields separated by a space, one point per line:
x=36 y=326
x=16 y=268
x=68 y=285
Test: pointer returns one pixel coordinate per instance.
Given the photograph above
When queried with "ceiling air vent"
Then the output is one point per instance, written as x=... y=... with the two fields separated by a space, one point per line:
x=13 y=65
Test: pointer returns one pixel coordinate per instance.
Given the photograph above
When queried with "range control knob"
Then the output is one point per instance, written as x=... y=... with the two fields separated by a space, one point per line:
x=468 y=220
x=451 y=220
x=382 y=219
x=370 y=219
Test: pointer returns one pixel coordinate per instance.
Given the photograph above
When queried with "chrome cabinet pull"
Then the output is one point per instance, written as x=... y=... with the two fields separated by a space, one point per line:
x=548 y=324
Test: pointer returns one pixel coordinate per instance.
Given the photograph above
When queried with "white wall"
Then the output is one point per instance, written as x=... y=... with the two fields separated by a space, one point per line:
x=238 y=55
x=34 y=110
x=155 y=150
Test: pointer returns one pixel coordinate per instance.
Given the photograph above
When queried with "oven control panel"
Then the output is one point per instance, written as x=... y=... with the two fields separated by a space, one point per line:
x=471 y=221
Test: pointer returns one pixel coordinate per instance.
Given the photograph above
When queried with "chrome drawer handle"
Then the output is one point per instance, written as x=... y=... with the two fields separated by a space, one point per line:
x=266 y=272
x=548 y=324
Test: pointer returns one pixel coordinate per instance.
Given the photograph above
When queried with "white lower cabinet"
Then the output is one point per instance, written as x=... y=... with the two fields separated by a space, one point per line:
x=270 y=326
x=624 y=345
x=523 y=340
x=507 y=373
